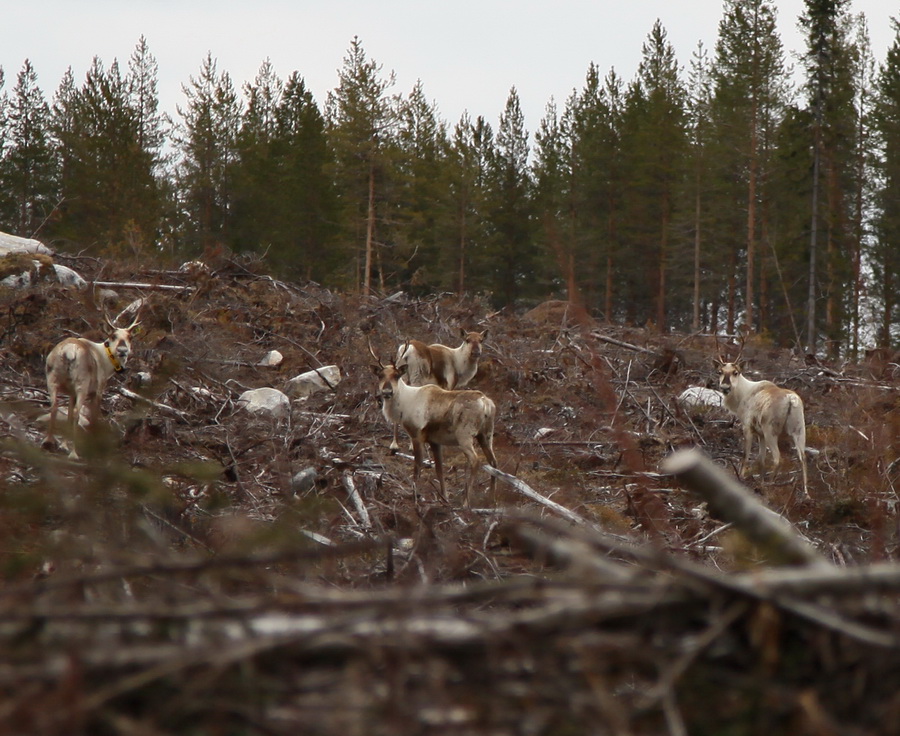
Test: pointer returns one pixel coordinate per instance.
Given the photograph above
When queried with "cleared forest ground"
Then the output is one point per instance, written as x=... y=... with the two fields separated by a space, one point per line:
x=189 y=576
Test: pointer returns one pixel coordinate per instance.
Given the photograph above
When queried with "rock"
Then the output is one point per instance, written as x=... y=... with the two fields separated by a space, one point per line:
x=15 y=244
x=694 y=397
x=265 y=400
x=313 y=382
x=67 y=277
x=304 y=481
x=271 y=359
x=38 y=271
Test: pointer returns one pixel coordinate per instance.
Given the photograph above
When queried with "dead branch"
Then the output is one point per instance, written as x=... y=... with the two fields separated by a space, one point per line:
x=731 y=501
x=619 y=343
x=529 y=492
x=134 y=285
x=356 y=499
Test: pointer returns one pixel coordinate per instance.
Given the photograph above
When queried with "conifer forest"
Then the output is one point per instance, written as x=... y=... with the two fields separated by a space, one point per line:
x=734 y=192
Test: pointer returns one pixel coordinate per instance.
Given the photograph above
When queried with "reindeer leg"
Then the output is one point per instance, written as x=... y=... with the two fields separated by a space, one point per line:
x=485 y=441
x=801 y=456
x=437 y=454
x=395 y=446
x=771 y=443
x=417 y=465
x=748 y=446
x=76 y=403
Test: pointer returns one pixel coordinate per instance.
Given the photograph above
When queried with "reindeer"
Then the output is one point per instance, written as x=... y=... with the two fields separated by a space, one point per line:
x=81 y=368
x=766 y=412
x=434 y=416
x=449 y=368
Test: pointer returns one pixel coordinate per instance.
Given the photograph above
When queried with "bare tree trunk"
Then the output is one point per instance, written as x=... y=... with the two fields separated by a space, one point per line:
x=370 y=233
x=751 y=222
x=695 y=322
x=813 y=245
x=461 y=277
x=663 y=255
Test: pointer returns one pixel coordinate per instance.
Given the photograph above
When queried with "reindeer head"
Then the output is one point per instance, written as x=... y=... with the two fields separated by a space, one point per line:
x=473 y=340
x=387 y=375
x=118 y=344
x=728 y=372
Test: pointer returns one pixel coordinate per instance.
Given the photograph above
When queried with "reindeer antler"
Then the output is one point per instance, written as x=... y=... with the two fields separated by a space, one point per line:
x=741 y=338
x=719 y=357
x=372 y=352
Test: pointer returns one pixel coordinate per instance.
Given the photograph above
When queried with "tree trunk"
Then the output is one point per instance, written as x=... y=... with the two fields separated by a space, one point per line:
x=813 y=245
x=370 y=233
x=695 y=322
x=751 y=222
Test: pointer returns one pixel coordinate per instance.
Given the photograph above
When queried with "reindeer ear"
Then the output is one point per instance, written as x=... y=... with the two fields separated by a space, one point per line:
x=484 y=335
x=401 y=369
x=463 y=333
x=376 y=369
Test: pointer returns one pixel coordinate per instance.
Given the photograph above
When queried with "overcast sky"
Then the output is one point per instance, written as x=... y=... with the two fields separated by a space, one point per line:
x=468 y=53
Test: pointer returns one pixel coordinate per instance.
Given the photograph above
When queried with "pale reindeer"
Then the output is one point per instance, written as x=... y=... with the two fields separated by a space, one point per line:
x=766 y=412
x=434 y=416
x=81 y=368
x=449 y=368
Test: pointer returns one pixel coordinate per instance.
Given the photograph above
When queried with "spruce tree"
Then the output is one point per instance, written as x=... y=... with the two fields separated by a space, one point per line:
x=28 y=174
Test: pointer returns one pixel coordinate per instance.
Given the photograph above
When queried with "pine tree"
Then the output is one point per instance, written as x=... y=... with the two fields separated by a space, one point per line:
x=511 y=248
x=748 y=99
x=28 y=175
x=207 y=139
x=552 y=175
x=111 y=196
x=256 y=196
x=829 y=62
x=885 y=255
x=361 y=122
x=654 y=157
x=700 y=126
x=420 y=197
x=470 y=150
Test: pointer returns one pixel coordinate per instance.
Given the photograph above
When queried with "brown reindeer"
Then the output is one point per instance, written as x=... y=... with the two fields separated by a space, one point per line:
x=437 y=417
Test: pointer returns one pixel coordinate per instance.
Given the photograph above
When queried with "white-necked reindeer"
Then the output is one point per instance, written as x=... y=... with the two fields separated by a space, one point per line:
x=766 y=412
x=81 y=368
x=449 y=368
x=437 y=417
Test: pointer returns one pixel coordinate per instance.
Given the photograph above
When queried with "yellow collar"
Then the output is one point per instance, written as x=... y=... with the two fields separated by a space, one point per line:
x=112 y=359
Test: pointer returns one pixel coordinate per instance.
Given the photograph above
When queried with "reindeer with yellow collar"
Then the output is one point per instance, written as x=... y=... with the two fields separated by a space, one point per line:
x=81 y=368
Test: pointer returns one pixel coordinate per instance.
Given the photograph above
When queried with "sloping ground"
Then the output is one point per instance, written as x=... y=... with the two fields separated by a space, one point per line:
x=204 y=570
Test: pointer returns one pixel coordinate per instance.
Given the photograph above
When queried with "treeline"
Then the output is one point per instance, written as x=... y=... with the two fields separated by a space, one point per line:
x=721 y=196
